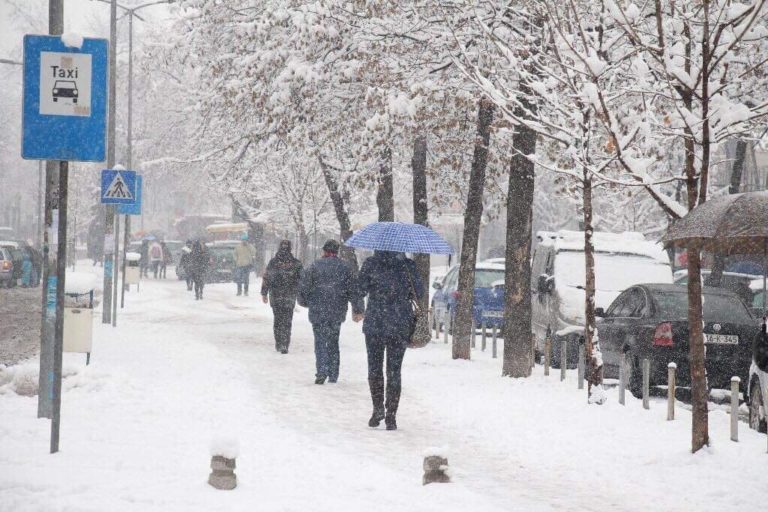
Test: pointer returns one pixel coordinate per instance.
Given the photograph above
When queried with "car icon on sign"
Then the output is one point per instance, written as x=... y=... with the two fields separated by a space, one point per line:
x=65 y=89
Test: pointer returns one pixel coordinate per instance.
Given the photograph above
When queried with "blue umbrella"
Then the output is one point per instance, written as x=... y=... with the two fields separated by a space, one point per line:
x=399 y=237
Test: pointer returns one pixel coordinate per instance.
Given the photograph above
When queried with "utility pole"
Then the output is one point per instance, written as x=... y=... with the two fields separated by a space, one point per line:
x=49 y=281
x=129 y=159
x=109 y=223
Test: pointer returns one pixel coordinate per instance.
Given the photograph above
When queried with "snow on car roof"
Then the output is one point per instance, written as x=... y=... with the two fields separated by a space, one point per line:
x=9 y=243
x=484 y=265
x=629 y=242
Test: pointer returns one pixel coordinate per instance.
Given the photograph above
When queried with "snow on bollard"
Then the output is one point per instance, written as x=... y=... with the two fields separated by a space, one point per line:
x=436 y=467
x=224 y=451
x=671 y=383
x=735 y=381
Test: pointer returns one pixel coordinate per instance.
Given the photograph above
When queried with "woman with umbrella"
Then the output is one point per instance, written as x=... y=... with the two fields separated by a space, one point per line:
x=391 y=282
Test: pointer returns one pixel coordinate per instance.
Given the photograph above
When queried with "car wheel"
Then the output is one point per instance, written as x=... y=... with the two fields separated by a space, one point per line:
x=756 y=421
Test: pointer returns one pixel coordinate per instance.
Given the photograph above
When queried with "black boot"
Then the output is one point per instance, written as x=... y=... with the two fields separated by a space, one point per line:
x=390 y=422
x=376 y=417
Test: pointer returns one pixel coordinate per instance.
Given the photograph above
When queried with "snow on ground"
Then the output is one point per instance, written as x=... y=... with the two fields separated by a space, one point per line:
x=177 y=377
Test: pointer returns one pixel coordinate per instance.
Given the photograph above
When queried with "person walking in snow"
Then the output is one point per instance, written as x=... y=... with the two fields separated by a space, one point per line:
x=167 y=258
x=389 y=279
x=326 y=288
x=185 y=263
x=279 y=288
x=199 y=261
x=144 y=259
x=244 y=256
x=155 y=257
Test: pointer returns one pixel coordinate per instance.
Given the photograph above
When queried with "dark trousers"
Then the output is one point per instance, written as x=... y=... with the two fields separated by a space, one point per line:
x=282 y=325
x=327 y=349
x=199 y=284
x=190 y=281
x=155 y=268
x=243 y=276
x=395 y=351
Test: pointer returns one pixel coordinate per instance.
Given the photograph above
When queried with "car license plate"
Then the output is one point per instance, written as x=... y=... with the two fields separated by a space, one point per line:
x=493 y=314
x=721 y=339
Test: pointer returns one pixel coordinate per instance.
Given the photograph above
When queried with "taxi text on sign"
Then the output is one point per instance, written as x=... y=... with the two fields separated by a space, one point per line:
x=65 y=100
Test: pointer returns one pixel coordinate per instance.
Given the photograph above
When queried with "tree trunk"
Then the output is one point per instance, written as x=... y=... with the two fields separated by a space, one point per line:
x=699 y=391
x=595 y=373
x=345 y=227
x=517 y=276
x=462 y=324
x=385 y=195
x=421 y=216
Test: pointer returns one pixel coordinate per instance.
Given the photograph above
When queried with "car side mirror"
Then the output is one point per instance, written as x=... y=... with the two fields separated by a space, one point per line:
x=600 y=312
x=437 y=286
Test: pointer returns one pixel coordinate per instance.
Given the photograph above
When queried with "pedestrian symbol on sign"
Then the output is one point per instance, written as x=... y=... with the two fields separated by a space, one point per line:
x=118 y=189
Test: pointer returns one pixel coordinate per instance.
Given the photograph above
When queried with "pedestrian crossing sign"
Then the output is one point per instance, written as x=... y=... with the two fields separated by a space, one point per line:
x=118 y=186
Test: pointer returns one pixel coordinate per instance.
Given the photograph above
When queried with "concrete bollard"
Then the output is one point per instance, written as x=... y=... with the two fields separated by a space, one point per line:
x=223 y=475
x=474 y=332
x=494 y=339
x=622 y=378
x=484 y=338
x=671 y=384
x=446 y=326
x=581 y=366
x=533 y=352
x=646 y=383
x=547 y=355
x=563 y=358
x=735 y=381
x=435 y=470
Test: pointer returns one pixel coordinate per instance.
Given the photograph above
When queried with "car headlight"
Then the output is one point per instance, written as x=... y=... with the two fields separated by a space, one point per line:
x=74 y=92
x=55 y=91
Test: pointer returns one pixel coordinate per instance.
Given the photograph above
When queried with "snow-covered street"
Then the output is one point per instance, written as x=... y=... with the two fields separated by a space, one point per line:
x=176 y=374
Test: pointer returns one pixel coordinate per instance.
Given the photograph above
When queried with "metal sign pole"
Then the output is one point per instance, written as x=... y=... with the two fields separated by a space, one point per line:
x=109 y=269
x=127 y=223
x=61 y=269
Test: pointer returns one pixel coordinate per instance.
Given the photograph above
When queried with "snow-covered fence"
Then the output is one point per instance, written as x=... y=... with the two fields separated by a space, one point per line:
x=735 y=381
x=671 y=383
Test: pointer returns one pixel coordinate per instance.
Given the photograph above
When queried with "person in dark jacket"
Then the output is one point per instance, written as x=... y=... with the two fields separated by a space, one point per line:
x=279 y=288
x=326 y=287
x=389 y=279
x=199 y=261
x=144 y=260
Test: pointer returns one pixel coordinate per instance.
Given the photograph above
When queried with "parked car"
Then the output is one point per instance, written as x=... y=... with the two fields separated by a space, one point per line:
x=222 y=261
x=488 y=301
x=6 y=268
x=174 y=247
x=16 y=256
x=755 y=393
x=650 y=321
x=558 y=280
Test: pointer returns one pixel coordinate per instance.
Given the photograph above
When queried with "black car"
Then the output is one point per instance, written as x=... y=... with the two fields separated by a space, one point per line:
x=651 y=321
x=222 y=266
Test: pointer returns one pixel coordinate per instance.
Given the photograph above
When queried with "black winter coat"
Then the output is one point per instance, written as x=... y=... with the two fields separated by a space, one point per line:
x=384 y=278
x=327 y=286
x=281 y=280
x=199 y=262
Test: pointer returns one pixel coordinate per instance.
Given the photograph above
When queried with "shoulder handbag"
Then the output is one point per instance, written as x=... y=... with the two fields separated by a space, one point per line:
x=418 y=337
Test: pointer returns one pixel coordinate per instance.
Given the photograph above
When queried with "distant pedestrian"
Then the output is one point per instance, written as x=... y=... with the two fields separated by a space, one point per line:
x=327 y=287
x=279 y=288
x=244 y=256
x=389 y=279
x=144 y=260
x=199 y=261
x=155 y=257
x=185 y=263
x=26 y=270
x=167 y=258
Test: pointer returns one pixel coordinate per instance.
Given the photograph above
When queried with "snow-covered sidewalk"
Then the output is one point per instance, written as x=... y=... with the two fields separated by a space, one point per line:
x=176 y=373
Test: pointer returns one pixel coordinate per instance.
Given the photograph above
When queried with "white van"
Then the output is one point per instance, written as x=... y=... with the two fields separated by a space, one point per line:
x=558 y=281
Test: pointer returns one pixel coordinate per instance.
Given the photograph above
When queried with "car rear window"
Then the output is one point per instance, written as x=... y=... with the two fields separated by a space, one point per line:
x=486 y=278
x=716 y=307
